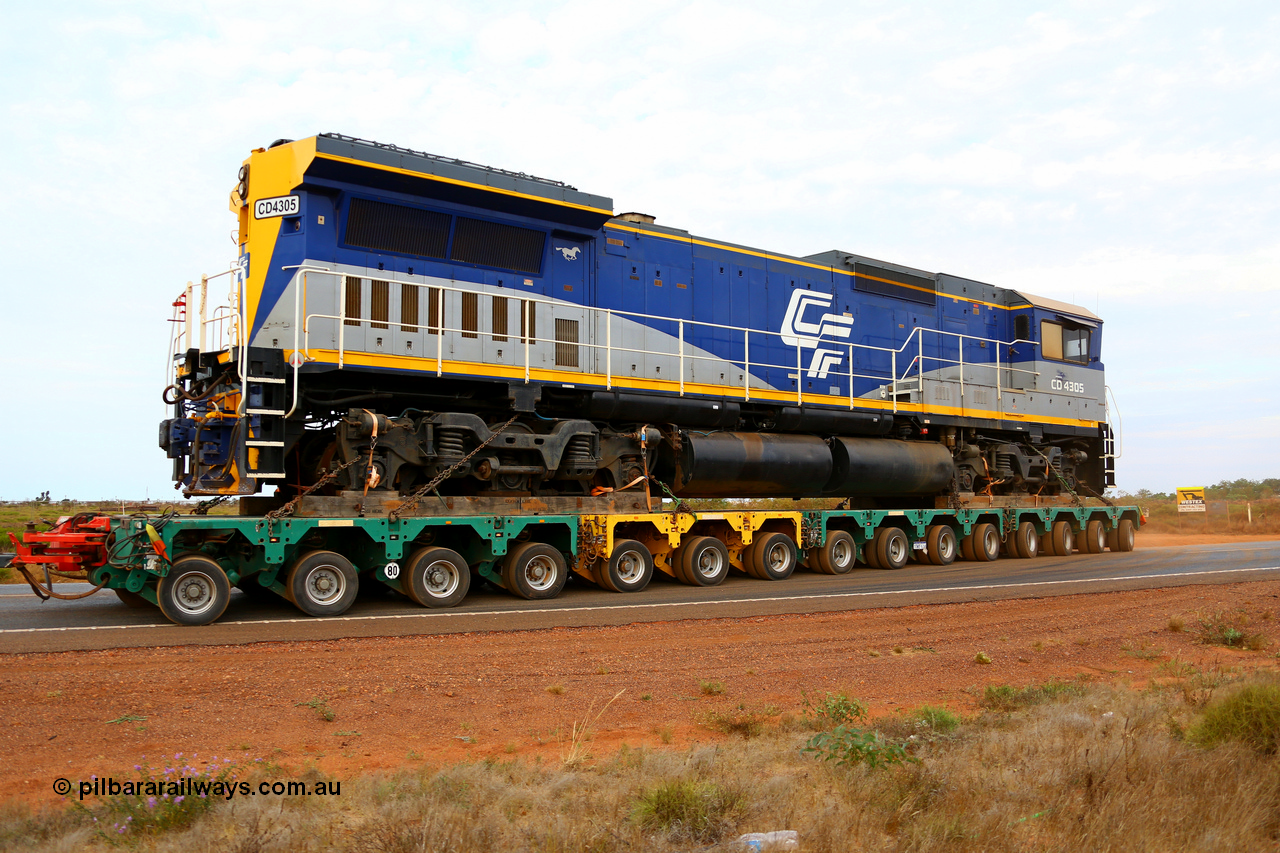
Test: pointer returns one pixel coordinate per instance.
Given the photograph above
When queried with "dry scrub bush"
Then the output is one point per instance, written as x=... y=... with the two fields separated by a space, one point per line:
x=1096 y=769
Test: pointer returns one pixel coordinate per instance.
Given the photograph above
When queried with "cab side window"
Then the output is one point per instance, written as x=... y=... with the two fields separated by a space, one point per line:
x=1061 y=343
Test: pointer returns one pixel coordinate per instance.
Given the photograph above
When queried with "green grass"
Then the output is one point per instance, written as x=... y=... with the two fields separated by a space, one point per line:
x=1003 y=697
x=688 y=809
x=1249 y=715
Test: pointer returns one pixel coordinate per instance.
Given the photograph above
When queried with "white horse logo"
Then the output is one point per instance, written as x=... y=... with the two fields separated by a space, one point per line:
x=570 y=254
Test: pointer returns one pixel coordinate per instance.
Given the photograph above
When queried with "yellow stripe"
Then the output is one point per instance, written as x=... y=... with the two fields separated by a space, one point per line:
x=597 y=381
x=796 y=261
x=455 y=182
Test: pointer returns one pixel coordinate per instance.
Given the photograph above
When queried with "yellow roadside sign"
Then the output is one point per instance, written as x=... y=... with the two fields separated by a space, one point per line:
x=1191 y=499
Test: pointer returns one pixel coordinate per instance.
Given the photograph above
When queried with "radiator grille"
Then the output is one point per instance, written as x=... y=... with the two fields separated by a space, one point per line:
x=900 y=285
x=566 y=343
x=491 y=244
x=395 y=228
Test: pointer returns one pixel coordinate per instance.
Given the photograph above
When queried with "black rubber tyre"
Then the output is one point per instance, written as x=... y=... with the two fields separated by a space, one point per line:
x=704 y=561
x=773 y=556
x=322 y=583
x=892 y=548
x=194 y=592
x=837 y=556
x=628 y=569
x=869 y=556
x=984 y=543
x=1124 y=535
x=534 y=571
x=1026 y=541
x=435 y=577
x=1062 y=539
x=940 y=542
x=1095 y=537
x=131 y=599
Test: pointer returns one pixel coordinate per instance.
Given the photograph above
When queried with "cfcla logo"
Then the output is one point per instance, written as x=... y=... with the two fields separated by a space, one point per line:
x=570 y=254
x=799 y=332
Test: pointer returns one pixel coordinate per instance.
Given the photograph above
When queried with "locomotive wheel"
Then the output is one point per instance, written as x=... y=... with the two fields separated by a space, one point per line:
x=436 y=577
x=940 y=540
x=773 y=556
x=837 y=556
x=704 y=561
x=322 y=583
x=1095 y=537
x=892 y=548
x=534 y=571
x=1121 y=538
x=1062 y=539
x=628 y=569
x=1026 y=541
x=195 y=592
x=984 y=542
x=131 y=599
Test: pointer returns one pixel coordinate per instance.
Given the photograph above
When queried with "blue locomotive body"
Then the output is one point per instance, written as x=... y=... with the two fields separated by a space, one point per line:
x=390 y=308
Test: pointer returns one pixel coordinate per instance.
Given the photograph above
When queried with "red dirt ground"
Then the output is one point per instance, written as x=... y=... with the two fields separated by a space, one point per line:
x=405 y=701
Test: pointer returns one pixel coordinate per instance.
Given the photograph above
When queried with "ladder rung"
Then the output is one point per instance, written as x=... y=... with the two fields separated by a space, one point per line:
x=268 y=379
x=264 y=411
x=252 y=443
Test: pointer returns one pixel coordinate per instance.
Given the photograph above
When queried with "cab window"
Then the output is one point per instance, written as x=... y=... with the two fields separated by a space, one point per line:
x=1061 y=343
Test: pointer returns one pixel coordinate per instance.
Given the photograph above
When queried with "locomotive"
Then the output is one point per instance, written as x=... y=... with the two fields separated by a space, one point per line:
x=398 y=321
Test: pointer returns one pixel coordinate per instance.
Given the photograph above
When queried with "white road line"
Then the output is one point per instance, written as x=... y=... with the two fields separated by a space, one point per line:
x=441 y=614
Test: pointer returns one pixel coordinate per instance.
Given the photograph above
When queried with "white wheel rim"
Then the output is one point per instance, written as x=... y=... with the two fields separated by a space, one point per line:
x=441 y=579
x=991 y=542
x=777 y=558
x=897 y=549
x=540 y=573
x=193 y=593
x=946 y=547
x=708 y=563
x=630 y=567
x=325 y=584
x=841 y=554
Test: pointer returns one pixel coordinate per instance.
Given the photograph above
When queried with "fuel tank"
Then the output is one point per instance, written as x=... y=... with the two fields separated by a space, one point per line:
x=882 y=467
x=759 y=465
x=746 y=465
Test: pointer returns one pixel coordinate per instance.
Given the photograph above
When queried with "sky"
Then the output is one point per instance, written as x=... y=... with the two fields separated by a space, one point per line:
x=1125 y=157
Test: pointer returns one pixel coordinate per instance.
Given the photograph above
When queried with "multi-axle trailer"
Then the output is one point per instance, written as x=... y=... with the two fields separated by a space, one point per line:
x=187 y=564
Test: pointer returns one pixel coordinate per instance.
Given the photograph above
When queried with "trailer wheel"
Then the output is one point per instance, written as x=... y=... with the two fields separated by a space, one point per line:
x=1061 y=540
x=1121 y=539
x=195 y=592
x=1026 y=541
x=940 y=542
x=773 y=556
x=534 y=571
x=892 y=548
x=131 y=599
x=323 y=583
x=837 y=556
x=1095 y=537
x=628 y=569
x=436 y=577
x=704 y=561
x=984 y=542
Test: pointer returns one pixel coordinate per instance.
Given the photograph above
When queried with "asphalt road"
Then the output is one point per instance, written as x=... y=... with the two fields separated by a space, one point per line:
x=102 y=621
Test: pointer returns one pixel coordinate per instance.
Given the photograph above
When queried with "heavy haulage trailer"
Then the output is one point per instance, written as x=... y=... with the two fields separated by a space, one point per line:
x=187 y=564
x=439 y=370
